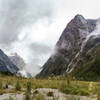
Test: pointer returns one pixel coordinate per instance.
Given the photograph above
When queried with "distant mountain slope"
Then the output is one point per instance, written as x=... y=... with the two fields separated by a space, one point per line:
x=18 y=61
x=6 y=64
x=74 y=44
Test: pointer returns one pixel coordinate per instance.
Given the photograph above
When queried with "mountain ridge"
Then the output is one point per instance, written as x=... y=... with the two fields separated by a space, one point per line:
x=6 y=65
x=69 y=46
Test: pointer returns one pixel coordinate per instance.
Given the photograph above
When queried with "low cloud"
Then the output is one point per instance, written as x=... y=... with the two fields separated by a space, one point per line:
x=32 y=27
x=40 y=49
x=18 y=14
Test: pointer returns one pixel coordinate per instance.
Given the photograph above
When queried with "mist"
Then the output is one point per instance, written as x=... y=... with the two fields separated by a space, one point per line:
x=32 y=28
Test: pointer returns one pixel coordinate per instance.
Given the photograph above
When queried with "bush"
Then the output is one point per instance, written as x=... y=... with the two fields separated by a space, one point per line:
x=74 y=90
x=29 y=87
x=1 y=92
x=83 y=92
x=72 y=98
x=10 y=98
x=27 y=96
x=36 y=92
x=40 y=97
x=17 y=86
x=50 y=94
x=55 y=98
x=1 y=85
x=62 y=87
x=5 y=86
x=68 y=79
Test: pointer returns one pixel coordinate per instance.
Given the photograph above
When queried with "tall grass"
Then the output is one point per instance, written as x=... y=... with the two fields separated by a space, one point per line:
x=29 y=87
x=17 y=86
x=72 y=87
x=1 y=85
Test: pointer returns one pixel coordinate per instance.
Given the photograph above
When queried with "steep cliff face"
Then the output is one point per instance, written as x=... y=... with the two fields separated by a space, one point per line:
x=87 y=64
x=71 y=46
x=6 y=64
x=18 y=61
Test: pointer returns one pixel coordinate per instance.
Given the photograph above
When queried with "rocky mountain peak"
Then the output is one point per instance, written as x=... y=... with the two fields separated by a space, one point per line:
x=80 y=18
x=69 y=46
x=17 y=60
x=6 y=64
x=78 y=22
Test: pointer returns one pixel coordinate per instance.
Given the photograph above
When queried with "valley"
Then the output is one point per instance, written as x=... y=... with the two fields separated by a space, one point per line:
x=49 y=49
x=72 y=72
x=52 y=88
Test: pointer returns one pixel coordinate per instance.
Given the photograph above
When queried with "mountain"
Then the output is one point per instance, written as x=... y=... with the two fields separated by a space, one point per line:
x=77 y=47
x=18 y=61
x=6 y=65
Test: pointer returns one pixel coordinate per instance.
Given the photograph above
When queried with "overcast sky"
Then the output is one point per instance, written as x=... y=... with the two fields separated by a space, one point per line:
x=32 y=27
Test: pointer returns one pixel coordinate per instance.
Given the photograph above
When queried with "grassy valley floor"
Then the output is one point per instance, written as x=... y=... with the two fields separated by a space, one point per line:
x=54 y=88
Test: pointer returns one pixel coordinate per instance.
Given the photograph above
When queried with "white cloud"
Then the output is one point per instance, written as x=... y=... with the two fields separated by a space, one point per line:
x=24 y=23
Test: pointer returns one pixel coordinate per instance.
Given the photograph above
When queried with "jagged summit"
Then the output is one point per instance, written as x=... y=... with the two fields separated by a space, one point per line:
x=70 y=48
x=17 y=60
x=80 y=18
x=78 y=21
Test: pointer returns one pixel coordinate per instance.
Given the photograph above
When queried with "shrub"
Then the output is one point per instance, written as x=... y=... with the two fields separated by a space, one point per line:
x=72 y=98
x=98 y=96
x=68 y=79
x=29 y=87
x=40 y=97
x=10 y=98
x=75 y=90
x=5 y=86
x=50 y=94
x=1 y=85
x=62 y=87
x=1 y=92
x=17 y=86
x=55 y=98
x=83 y=92
x=27 y=96
x=36 y=92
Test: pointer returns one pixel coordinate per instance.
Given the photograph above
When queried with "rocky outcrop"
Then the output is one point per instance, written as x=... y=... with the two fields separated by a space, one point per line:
x=87 y=64
x=71 y=46
x=6 y=65
x=18 y=61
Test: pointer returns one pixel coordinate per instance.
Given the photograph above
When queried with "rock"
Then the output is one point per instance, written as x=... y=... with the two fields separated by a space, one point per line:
x=6 y=65
x=18 y=61
x=69 y=50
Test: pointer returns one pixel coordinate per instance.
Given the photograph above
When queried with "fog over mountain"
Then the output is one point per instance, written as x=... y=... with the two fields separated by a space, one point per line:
x=32 y=27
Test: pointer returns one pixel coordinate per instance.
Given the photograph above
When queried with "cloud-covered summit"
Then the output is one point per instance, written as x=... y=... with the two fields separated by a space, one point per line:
x=32 y=27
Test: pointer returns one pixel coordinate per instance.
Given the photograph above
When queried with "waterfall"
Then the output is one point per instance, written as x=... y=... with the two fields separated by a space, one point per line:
x=95 y=33
x=68 y=68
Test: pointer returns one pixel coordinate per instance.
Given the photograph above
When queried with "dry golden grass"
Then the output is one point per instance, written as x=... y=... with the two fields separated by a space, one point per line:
x=81 y=87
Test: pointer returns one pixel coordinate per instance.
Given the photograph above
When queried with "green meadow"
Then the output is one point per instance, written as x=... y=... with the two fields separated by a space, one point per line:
x=63 y=84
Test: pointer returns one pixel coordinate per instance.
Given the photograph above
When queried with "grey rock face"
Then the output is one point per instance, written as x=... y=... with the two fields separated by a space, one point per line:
x=6 y=64
x=68 y=46
x=18 y=61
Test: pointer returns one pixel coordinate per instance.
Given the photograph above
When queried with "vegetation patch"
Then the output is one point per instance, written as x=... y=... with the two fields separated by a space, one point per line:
x=17 y=86
x=50 y=94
